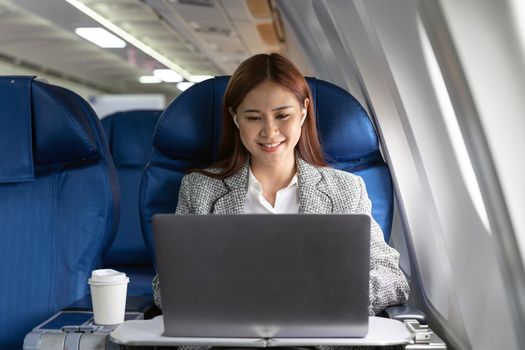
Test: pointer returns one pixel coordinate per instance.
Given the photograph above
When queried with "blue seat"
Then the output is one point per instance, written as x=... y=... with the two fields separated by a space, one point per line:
x=58 y=198
x=130 y=139
x=188 y=136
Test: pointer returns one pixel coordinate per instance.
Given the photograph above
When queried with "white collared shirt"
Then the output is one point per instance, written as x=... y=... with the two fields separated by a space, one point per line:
x=286 y=199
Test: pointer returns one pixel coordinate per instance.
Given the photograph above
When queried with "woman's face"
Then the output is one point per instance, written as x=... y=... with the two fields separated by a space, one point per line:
x=269 y=120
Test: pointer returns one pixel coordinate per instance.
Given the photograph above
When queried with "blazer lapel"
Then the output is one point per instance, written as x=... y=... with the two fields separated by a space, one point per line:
x=232 y=202
x=314 y=195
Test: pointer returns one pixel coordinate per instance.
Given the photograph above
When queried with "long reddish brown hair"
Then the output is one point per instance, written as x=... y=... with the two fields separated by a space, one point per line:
x=252 y=72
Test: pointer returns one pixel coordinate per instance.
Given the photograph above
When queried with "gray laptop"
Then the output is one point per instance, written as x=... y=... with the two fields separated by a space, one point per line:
x=263 y=276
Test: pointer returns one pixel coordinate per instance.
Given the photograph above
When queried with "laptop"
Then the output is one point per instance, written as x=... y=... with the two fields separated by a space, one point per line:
x=263 y=276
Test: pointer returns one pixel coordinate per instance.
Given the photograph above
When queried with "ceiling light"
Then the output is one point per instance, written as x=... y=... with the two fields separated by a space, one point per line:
x=184 y=85
x=101 y=37
x=199 y=78
x=149 y=79
x=206 y=3
x=129 y=38
x=167 y=75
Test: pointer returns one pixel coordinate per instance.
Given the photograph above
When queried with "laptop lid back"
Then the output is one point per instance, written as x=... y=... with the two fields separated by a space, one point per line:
x=263 y=276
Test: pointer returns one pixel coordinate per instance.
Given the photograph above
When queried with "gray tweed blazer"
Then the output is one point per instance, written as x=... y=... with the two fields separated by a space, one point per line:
x=321 y=191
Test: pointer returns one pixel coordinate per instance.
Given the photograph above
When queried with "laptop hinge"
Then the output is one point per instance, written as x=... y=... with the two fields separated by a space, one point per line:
x=422 y=337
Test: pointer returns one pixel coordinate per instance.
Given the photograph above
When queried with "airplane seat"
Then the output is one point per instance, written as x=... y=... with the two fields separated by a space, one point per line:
x=130 y=137
x=188 y=136
x=58 y=198
x=350 y=144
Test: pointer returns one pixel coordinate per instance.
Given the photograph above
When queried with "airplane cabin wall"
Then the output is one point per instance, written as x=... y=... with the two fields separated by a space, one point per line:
x=325 y=58
x=380 y=51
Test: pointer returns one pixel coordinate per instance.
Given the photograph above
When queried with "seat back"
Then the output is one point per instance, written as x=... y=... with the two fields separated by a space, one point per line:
x=130 y=139
x=58 y=198
x=188 y=136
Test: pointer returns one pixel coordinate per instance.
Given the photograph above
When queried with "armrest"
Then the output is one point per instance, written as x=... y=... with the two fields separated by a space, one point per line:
x=405 y=312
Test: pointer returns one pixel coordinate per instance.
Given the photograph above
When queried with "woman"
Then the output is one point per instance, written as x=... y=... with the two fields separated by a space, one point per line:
x=272 y=162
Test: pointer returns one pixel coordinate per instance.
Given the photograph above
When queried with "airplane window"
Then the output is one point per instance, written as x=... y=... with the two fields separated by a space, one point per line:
x=452 y=126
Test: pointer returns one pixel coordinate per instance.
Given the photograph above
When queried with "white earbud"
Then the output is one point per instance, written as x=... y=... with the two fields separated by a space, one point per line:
x=234 y=116
x=303 y=118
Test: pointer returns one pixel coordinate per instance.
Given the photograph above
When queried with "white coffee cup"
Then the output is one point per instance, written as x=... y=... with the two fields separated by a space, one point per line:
x=108 y=296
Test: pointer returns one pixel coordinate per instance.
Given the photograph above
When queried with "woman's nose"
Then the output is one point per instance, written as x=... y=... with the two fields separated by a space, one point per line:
x=269 y=128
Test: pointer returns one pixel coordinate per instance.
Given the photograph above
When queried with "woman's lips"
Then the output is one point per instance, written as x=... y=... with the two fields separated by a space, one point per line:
x=270 y=147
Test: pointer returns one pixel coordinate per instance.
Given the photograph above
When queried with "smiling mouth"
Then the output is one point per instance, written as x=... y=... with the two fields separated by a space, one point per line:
x=270 y=146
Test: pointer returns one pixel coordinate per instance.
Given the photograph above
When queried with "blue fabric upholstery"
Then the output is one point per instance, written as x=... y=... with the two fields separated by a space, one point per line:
x=55 y=228
x=350 y=143
x=17 y=91
x=130 y=137
x=188 y=136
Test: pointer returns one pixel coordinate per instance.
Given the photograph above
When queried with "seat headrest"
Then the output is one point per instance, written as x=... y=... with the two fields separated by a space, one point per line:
x=345 y=130
x=16 y=141
x=62 y=131
x=48 y=120
x=190 y=128
x=130 y=136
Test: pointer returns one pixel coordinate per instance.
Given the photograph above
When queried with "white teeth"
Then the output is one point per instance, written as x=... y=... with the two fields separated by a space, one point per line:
x=271 y=145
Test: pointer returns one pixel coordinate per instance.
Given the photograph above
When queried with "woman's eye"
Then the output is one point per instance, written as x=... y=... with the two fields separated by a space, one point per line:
x=253 y=118
x=282 y=116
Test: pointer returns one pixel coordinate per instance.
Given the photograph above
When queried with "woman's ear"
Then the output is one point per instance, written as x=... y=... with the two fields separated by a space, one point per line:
x=304 y=111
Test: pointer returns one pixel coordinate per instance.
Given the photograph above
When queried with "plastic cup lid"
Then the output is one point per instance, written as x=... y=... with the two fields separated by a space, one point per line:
x=107 y=277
